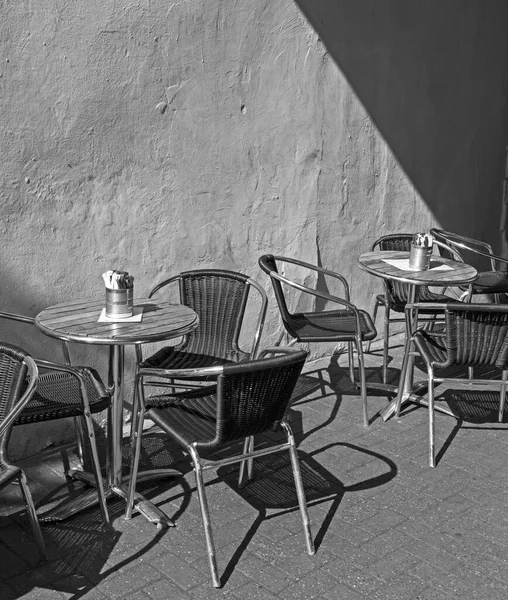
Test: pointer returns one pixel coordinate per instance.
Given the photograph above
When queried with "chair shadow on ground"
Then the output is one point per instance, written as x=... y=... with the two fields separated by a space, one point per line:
x=79 y=549
x=273 y=490
x=337 y=383
x=472 y=407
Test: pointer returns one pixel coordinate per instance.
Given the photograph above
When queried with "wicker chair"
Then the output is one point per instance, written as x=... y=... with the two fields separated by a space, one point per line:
x=397 y=294
x=345 y=324
x=476 y=336
x=248 y=399
x=493 y=281
x=65 y=391
x=220 y=298
x=16 y=368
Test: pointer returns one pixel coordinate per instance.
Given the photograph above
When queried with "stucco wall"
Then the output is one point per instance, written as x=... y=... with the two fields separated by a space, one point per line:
x=156 y=137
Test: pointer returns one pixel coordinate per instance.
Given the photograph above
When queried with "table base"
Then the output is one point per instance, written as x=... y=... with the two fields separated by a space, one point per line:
x=412 y=398
x=88 y=498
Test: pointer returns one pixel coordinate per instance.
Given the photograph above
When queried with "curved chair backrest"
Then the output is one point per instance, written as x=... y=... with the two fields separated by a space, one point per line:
x=476 y=335
x=18 y=378
x=253 y=396
x=219 y=298
x=268 y=264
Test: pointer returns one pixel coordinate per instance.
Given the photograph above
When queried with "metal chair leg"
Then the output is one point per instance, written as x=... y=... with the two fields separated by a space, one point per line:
x=300 y=492
x=377 y=304
x=205 y=514
x=363 y=383
x=432 y=459
x=27 y=496
x=351 y=362
x=386 y=343
x=92 y=446
x=248 y=446
x=502 y=396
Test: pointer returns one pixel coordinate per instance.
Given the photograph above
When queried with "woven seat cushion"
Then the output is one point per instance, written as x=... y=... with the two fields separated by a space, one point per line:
x=176 y=358
x=424 y=295
x=188 y=416
x=58 y=395
x=334 y=325
x=491 y=282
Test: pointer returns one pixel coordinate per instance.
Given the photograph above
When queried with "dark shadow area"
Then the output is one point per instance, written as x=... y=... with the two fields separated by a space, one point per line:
x=433 y=78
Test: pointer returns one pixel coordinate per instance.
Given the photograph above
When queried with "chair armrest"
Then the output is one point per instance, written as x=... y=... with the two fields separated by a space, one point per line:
x=437 y=306
x=278 y=350
x=15 y=317
x=163 y=284
x=180 y=373
x=33 y=375
x=31 y=321
x=301 y=263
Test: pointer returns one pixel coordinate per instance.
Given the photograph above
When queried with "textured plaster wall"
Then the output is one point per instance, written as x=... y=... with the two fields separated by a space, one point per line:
x=157 y=136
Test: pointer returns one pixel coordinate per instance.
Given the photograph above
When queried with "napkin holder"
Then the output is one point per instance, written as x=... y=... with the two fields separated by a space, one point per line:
x=119 y=302
x=419 y=257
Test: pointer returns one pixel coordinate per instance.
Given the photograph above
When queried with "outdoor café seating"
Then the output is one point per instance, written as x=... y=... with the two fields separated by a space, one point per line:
x=65 y=391
x=16 y=368
x=396 y=294
x=346 y=323
x=475 y=336
x=249 y=398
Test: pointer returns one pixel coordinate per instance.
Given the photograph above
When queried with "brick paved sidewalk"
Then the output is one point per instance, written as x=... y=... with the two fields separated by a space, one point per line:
x=385 y=525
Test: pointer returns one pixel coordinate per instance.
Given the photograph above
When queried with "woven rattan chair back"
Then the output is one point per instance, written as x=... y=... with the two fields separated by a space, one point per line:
x=220 y=298
x=476 y=337
x=398 y=293
x=253 y=397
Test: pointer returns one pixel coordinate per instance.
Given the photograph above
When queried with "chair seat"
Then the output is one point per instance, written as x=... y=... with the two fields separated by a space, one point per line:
x=334 y=325
x=58 y=396
x=174 y=358
x=188 y=416
x=491 y=282
x=424 y=295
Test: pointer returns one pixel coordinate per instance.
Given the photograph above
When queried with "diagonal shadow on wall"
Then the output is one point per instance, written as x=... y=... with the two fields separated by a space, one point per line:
x=434 y=79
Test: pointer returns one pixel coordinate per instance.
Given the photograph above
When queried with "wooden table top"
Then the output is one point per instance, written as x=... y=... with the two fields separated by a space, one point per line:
x=78 y=322
x=457 y=272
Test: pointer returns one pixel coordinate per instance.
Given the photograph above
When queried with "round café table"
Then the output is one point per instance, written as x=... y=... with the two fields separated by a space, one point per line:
x=80 y=322
x=394 y=265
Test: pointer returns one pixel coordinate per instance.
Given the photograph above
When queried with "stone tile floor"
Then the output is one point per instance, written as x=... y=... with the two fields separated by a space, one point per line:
x=385 y=525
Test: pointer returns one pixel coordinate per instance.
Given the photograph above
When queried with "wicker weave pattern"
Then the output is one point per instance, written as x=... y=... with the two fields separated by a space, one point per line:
x=476 y=335
x=250 y=398
x=219 y=298
x=58 y=395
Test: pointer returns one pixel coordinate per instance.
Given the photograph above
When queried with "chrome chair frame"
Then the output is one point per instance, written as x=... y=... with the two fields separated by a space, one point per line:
x=480 y=320
x=27 y=372
x=363 y=331
x=461 y=243
x=218 y=373
x=48 y=366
